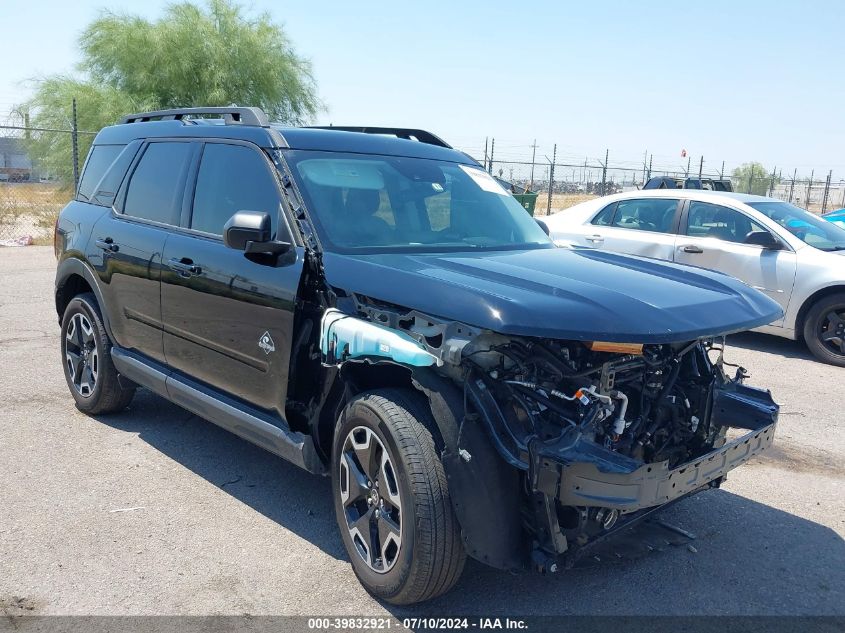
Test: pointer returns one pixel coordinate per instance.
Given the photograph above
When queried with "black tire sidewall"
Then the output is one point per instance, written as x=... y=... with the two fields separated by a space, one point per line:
x=365 y=412
x=81 y=305
x=813 y=324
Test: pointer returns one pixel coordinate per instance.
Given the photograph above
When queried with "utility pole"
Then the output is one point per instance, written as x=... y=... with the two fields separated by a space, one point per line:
x=645 y=158
x=809 y=189
x=650 y=159
x=533 y=154
x=604 y=171
x=689 y=158
x=485 y=152
x=792 y=185
x=492 y=149
x=551 y=179
x=700 y=169
x=722 y=173
x=826 y=190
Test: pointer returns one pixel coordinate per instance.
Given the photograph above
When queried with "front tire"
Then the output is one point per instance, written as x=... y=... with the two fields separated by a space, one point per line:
x=824 y=329
x=86 y=356
x=391 y=498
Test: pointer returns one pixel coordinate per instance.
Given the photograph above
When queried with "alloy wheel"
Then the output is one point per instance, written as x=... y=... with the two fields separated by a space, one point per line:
x=81 y=355
x=369 y=492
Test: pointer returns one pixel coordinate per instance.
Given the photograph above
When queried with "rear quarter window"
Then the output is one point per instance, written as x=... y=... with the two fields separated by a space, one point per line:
x=99 y=160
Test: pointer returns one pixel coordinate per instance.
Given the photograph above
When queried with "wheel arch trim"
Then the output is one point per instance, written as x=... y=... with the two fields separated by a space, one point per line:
x=71 y=266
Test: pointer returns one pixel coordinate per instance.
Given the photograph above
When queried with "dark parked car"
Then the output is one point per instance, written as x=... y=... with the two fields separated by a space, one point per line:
x=675 y=182
x=369 y=303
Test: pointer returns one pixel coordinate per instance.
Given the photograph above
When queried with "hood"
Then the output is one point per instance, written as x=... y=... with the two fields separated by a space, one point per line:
x=559 y=293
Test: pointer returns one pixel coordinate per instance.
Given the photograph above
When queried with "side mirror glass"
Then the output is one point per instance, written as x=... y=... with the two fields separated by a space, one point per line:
x=252 y=232
x=764 y=239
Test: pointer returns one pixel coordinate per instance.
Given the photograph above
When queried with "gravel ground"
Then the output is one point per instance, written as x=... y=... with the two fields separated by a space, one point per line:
x=155 y=511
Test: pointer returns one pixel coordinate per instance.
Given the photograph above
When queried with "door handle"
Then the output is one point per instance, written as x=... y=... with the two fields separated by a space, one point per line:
x=106 y=244
x=595 y=238
x=184 y=266
x=691 y=248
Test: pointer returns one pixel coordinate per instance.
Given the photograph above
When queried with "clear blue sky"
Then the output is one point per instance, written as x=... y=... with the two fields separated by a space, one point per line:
x=734 y=81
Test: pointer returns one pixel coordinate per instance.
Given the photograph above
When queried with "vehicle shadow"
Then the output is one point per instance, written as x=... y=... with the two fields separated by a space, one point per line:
x=770 y=344
x=748 y=558
x=284 y=493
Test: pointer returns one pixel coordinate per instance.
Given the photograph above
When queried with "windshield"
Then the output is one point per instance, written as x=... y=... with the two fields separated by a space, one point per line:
x=807 y=227
x=371 y=203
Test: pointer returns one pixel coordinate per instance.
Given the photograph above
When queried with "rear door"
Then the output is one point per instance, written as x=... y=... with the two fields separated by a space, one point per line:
x=228 y=316
x=712 y=236
x=637 y=226
x=126 y=244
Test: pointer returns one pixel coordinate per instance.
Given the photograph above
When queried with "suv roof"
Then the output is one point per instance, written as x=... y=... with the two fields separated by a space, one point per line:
x=251 y=124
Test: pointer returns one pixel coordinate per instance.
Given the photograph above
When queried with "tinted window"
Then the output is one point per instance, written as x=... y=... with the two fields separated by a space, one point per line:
x=155 y=189
x=713 y=220
x=232 y=178
x=655 y=215
x=605 y=216
x=99 y=160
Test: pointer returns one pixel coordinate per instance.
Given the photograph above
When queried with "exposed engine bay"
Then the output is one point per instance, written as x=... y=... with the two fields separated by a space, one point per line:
x=648 y=403
x=580 y=437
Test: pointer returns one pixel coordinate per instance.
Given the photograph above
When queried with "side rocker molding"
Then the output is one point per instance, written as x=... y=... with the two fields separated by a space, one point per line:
x=225 y=412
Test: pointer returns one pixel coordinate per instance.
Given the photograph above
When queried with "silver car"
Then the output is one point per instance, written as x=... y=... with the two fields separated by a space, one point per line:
x=793 y=256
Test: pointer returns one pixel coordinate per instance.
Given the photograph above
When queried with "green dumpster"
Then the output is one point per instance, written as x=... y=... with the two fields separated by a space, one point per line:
x=527 y=200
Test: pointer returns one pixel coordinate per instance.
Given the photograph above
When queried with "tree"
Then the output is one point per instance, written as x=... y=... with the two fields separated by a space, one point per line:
x=192 y=56
x=753 y=178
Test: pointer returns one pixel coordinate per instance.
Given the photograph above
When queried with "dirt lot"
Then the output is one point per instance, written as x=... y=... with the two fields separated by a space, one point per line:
x=155 y=511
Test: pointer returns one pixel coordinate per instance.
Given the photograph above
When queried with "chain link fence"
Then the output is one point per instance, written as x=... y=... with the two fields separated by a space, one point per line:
x=30 y=197
x=562 y=184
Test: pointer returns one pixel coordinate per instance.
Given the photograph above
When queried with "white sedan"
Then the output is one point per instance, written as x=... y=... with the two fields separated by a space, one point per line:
x=793 y=256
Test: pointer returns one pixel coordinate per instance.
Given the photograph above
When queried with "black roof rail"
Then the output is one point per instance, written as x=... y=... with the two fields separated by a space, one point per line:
x=233 y=115
x=400 y=132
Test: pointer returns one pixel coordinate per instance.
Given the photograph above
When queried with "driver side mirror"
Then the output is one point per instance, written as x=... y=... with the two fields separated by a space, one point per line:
x=764 y=239
x=543 y=225
x=251 y=232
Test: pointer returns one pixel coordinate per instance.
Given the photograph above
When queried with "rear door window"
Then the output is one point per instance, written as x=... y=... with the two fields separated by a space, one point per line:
x=656 y=215
x=605 y=216
x=155 y=188
x=232 y=178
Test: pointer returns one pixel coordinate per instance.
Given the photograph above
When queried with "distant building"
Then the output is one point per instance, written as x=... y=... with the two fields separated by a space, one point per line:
x=15 y=164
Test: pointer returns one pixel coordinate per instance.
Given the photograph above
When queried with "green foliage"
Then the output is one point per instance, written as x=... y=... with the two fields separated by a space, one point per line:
x=752 y=178
x=193 y=56
x=196 y=57
x=52 y=105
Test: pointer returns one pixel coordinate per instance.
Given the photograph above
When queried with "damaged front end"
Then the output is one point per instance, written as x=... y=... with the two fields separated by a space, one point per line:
x=603 y=436
x=561 y=443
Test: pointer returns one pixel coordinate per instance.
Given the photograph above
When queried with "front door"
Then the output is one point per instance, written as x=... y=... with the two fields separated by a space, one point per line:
x=228 y=316
x=713 y=237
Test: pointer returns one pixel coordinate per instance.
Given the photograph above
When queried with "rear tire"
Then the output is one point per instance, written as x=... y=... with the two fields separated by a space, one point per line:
x=86 y=357
x=824 y=329
x=384 y=462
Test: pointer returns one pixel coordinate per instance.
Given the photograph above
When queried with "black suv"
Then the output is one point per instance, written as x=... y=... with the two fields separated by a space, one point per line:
x=369 y=303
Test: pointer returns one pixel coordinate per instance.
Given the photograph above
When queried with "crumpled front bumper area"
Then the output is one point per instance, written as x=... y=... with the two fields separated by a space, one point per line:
x=583 y=484
x=587 y=475
x=598 y=492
